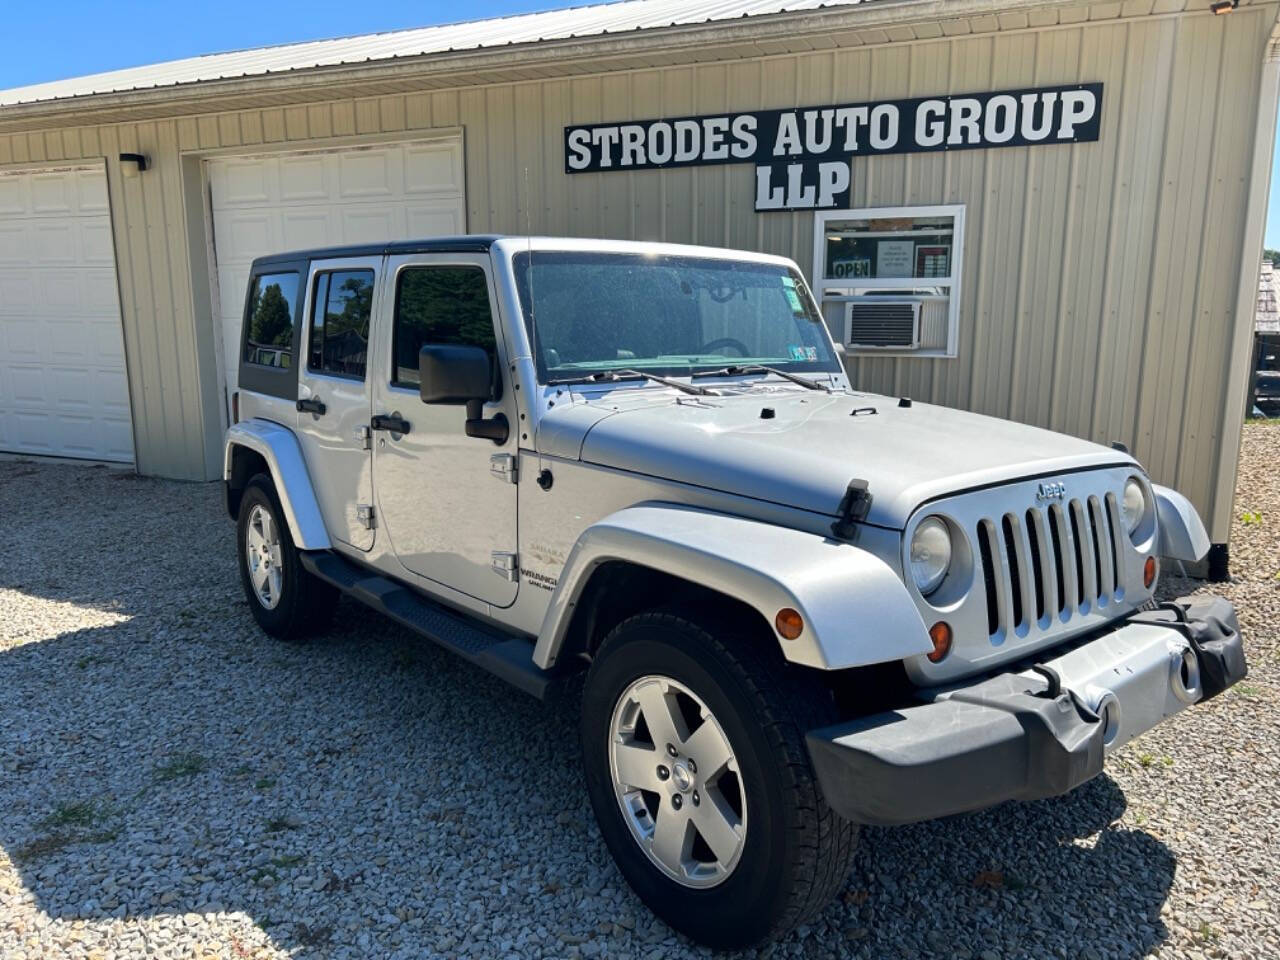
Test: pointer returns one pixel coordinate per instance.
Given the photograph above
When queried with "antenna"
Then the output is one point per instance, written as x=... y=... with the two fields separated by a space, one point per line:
x=528 y=230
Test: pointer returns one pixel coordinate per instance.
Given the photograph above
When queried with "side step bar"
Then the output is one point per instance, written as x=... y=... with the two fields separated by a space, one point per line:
x=503 y=654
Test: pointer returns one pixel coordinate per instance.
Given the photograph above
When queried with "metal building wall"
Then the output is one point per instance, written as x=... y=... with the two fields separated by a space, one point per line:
x=1101 y=280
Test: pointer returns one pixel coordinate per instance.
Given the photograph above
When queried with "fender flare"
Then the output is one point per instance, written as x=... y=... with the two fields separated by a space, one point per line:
x=1182 y=533
x=856 y=610
x=279 y=447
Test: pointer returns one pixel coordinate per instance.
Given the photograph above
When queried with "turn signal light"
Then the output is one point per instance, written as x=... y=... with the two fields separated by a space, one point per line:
x=940 y=634
x=1149 y=572
x=789 y=623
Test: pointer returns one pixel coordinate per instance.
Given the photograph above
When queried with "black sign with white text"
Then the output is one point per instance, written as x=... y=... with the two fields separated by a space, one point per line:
x=803 y=154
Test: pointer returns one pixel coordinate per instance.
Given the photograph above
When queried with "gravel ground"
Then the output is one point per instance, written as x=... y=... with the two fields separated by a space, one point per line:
x=172 y=784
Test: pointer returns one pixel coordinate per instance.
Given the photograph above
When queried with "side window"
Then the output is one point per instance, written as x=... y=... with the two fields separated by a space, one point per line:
x=444 y=305
x=340 y=312
x=268 y=332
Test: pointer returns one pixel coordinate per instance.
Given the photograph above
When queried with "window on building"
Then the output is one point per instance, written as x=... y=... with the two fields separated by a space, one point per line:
x=439 y=305
x=340 y=312
x=889 y=278
x=268 y=335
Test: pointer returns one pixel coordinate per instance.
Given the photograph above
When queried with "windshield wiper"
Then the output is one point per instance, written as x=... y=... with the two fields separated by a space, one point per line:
x=609 y=376
x=760 y=368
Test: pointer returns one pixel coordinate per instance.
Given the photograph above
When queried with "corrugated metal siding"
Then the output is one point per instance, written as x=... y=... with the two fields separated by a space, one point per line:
x=1100 y=279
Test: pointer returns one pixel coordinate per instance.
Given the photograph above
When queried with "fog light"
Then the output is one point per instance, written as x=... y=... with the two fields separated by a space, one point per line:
x=789 y=623
x=940 y=634
x=1149 y=572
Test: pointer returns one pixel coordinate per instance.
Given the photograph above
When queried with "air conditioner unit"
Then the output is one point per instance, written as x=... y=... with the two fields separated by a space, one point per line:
x=896 y=322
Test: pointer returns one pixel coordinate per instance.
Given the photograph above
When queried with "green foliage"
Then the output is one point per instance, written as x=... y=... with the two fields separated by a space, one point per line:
x=441 y=305
x=1273 y=256
x=271 y=322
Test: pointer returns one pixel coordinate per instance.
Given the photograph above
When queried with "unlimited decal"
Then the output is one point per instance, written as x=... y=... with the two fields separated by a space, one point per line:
x=802 y=155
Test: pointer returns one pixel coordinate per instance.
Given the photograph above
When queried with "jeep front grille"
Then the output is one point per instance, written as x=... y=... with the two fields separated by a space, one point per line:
x=1049 y=563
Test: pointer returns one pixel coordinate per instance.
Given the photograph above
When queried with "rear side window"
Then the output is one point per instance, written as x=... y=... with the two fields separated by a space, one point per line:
x=339 y=341
x=273 y=309
x=439 y=305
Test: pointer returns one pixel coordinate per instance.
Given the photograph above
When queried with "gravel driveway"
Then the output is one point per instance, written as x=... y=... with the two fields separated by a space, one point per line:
x=173 y=784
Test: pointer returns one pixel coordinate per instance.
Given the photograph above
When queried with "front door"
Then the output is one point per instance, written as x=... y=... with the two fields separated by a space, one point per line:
x=444 y=502
x=333 y=395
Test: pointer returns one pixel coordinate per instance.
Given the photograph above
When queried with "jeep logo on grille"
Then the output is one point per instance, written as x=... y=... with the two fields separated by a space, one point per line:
x=1051 y=491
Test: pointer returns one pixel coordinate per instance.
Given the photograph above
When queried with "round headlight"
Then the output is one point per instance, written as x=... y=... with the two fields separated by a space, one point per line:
x=930 y=554
x=1133 y=505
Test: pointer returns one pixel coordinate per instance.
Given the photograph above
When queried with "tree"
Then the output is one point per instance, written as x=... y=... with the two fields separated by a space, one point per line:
x=1273 y=256
x=271 y=323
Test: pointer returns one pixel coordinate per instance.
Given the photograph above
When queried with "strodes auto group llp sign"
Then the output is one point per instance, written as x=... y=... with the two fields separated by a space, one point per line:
x=804 y=155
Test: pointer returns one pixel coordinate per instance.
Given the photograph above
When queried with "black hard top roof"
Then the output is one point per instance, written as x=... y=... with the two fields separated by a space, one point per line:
x=479 y=243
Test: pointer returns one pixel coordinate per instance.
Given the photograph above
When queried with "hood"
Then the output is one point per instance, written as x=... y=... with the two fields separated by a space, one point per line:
x=805 y=453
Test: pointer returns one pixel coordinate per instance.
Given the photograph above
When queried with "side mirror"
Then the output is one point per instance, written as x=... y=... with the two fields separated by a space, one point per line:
x=457 y=375
x=454 y=375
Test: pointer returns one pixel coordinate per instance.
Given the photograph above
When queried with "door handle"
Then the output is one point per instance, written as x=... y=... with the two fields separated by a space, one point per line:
x=312 y=406
x=389 y=422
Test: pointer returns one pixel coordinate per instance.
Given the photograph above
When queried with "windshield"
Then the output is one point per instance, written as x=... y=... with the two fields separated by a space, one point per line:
x=668 y=315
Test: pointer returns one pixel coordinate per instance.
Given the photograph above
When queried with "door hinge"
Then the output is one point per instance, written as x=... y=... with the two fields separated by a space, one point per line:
x=364 y=513
x=363 y=437
x=503 y=466
x=505 y=565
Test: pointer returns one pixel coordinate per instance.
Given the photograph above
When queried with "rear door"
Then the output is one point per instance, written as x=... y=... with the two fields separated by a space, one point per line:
x=333 y=394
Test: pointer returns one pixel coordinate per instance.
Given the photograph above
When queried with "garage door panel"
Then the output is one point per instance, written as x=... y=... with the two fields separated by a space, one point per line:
x=371 y=224
x=307 y=228
x=435 y=220
x=304 y=179
x=51 y=194
x=28 y=384
x=24 y=342
x=92 y=194
x=250 y=235
x=96 y=245
x=13 y=197
x=275 y=203
x=433 y=170
x=365 y=174
x=54 y=243
x=15 y=248
x=57 y=295
x=64 y=389
x=17 y=292
x=98 y=292
x=239 y=182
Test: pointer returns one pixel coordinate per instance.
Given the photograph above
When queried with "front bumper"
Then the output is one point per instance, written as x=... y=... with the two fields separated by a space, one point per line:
x=1029 y=733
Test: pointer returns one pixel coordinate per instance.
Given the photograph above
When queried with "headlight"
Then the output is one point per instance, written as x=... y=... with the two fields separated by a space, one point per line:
x=930 y=554
x=1133 y=505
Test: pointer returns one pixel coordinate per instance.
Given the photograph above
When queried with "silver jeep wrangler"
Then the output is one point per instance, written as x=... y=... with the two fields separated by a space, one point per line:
x=795 y=607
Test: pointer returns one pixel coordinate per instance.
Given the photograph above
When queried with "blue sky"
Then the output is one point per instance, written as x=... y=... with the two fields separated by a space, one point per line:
x=69 y=38
x=74 y=37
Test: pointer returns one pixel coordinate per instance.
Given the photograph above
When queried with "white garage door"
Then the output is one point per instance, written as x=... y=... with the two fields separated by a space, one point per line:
x=63 y=389
x=275 y=203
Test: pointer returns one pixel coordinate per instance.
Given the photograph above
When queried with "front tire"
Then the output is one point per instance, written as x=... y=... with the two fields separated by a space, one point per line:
x=287 y=601
x=693 y=747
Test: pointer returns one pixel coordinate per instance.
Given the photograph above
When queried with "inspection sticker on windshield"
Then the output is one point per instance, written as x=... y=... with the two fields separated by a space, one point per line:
x=803 y=353
x=793 y=298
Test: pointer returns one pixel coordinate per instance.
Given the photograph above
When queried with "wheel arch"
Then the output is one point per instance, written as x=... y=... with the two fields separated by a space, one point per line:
x=855 y=608
x=260 y=446
x=618 y=589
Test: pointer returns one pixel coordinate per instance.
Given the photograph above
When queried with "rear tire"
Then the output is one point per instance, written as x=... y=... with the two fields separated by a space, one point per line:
x=795 y=853
x=287 y=601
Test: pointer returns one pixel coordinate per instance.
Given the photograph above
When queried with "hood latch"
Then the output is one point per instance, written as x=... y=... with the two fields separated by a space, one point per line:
x=853 y=510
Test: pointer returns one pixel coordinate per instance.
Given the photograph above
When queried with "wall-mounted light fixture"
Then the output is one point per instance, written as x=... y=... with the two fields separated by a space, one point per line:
x=1219 y=7
x=132 y=164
